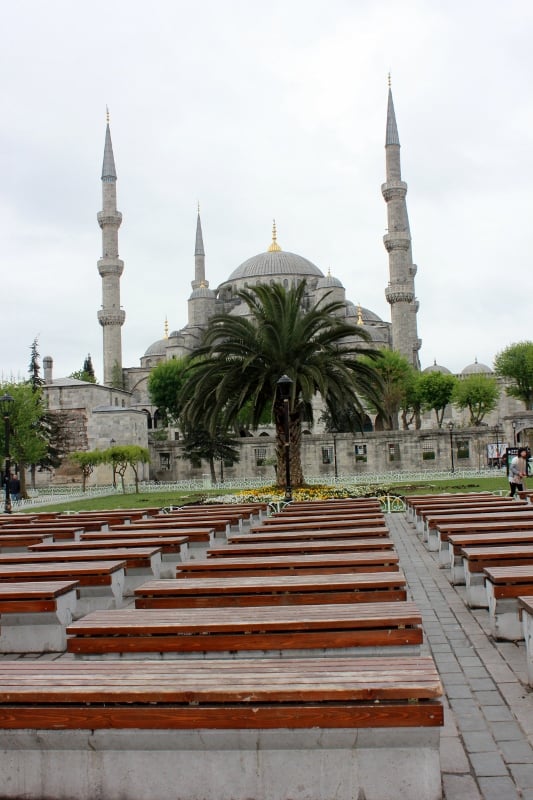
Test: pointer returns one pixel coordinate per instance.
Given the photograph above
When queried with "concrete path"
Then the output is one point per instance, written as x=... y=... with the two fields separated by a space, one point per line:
x=487 y=740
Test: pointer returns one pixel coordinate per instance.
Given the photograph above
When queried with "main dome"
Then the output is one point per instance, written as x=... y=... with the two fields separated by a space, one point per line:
x=272 y=263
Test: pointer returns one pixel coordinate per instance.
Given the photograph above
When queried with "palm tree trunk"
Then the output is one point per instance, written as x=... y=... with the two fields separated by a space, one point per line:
x=295 y=442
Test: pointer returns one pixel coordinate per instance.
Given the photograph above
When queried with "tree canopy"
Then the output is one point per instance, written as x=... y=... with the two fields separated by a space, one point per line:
x=165 y=384
x=515 y=364
x=396 y=374
x=435 y=392
x=478 y=393
x=242 y=358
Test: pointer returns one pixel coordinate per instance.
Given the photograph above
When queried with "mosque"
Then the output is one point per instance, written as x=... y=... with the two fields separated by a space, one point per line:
x=120 y=409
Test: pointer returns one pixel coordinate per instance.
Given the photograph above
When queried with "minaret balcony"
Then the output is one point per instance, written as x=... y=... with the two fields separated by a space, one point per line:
x=105 y=218
x=106 y=318
x=399 y=293
x=397 y=241
x=110 y=266
x=393 y=190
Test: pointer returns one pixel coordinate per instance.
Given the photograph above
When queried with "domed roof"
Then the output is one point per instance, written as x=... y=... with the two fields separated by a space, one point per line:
x=329 y=282
x=202 y=291
x=437 y=368
x=476 y=369
x=275 y=263
x=157 y=348
x=364 y=313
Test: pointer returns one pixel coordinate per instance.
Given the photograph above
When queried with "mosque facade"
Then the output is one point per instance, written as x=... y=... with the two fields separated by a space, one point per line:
x=120 y=409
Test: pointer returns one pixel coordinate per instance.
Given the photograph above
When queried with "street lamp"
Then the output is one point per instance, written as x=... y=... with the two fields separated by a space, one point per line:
x=334 y=433
x=6 y=402
x=450 y=428
x=284 y=386
x=497 y=429
x=513 y=423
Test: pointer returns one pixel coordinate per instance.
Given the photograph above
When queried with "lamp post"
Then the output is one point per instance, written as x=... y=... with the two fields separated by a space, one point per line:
x=497 y=429
x=513 y=423
x=112 y=443
x=284 y=386
x=336 y=471
x=450 y=428
x=5 y=405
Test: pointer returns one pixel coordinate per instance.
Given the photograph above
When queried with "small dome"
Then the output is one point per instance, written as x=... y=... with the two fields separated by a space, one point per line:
x=366 y=315
x=157 y=348
x=277 y=262
x=329 y=282
x=437 y=368
x=476 y=369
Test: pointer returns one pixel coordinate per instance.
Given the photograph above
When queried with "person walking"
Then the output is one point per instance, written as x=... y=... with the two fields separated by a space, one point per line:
x=517 y=472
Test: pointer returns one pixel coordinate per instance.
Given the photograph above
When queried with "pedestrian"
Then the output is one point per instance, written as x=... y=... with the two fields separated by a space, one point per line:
x=14 y=487
x=517 y=472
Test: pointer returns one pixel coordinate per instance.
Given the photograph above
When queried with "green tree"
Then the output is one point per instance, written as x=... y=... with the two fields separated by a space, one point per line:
x=122 y=456
x=200 y=443
x=34 y=368
x=165 y=385
x=515 y=364
x=395 y=372
x=436 y=390
x=86 y=461
x=27 y=444
x=242 y=358
x=478 y=393
x=411 y=406
x=86 y=373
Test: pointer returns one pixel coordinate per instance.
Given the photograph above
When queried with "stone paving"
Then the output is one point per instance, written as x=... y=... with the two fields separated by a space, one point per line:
x=487 y=739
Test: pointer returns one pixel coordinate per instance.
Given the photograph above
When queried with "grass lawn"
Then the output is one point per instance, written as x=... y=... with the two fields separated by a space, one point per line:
x=162 y=499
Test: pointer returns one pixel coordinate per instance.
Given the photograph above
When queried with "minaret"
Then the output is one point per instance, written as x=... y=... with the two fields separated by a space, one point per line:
x=199 y=256
x=400 y=292
x=111 y=317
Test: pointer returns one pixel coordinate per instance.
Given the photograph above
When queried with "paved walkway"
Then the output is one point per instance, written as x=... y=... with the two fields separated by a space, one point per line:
x=487 y=740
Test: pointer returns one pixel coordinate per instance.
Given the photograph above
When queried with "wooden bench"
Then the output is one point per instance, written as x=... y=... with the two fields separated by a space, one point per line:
x=456 y=542
x=101 y=583
x=481 y=527
x=476 y=559
x=285 y=518
x=320 y=728
x=308 y=630
x=503 y=586
x=283 y=590
x=320 y=524
x=525 y=610
x=374 y=561
x=19 y=542
x=141 y=563
x=173 y=548
x=198 y=535
x=415 y=502
x=222 y=523
x=62 y=532
x=309 y=536
x=305 y=547
x=34 y=615
x=495 y=514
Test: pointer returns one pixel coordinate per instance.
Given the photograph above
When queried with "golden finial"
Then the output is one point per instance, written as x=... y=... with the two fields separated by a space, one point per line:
x=274 y=247
x=329 y=272
x=203 y=285
x=166 y=327
x=360 y=315
x=198 y=207
x=107 y=115
x=389 y=80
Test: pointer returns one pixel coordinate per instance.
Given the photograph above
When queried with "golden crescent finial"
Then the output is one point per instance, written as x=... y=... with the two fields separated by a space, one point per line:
x=166 y=327
x=198 y=207
x=389 y=79
x=274 y=247
x=107 y=115
x=360 y=315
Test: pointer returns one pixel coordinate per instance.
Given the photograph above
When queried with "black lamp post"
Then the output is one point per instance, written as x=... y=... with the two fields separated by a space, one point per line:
x=334 y=432
x=450 y=428
x=284 y=386
x=513 y=423
x=6 y=402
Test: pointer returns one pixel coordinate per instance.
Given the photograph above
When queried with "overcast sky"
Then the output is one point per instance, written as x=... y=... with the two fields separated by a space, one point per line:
x=262 y=110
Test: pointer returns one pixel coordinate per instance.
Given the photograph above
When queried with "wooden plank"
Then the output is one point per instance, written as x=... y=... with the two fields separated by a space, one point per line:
x=266 y=535
x=26 y=597
x=320 y=546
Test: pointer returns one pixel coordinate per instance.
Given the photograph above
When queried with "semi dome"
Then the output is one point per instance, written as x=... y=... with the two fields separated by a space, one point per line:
x=157 y=348
x=364 y=313
x=202 y=291
x=437 y=368
x=329 y=282
x=476 y=369
x=275 y=263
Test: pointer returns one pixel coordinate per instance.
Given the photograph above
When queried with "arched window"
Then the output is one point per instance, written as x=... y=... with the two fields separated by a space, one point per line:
x=148 y=418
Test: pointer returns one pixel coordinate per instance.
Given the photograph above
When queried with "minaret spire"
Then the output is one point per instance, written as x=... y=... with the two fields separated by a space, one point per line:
x=199 y=256
x=111 y=317
x=400 y=292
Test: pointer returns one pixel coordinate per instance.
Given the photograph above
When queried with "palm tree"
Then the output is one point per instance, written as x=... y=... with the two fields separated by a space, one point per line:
x=242 y=358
